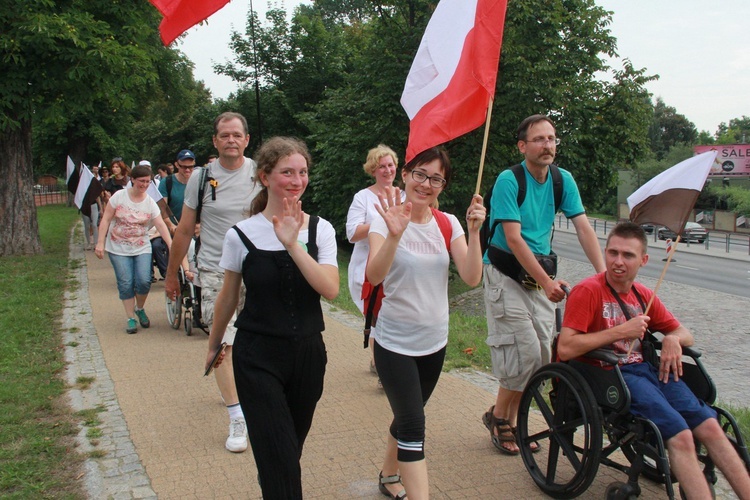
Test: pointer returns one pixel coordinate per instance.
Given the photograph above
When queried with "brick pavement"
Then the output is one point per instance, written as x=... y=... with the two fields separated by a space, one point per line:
x=164 y=424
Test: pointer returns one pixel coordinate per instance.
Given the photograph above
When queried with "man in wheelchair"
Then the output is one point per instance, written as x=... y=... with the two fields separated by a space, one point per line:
x=607 y=311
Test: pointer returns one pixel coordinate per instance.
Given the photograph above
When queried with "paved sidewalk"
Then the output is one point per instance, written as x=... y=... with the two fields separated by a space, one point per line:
x=164 y=425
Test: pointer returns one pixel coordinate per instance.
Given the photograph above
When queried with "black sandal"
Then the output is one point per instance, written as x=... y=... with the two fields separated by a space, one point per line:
x=505 y=433
x=390 y=480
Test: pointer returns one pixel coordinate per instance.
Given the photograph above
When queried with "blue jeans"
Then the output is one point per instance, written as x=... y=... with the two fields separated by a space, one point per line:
x=133 y=273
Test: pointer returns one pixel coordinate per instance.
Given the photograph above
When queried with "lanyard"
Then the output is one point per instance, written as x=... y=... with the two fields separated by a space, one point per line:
x=623 y=308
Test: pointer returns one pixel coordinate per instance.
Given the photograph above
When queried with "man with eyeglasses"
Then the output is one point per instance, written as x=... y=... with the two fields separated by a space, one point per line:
x=520 y=287
x=173 y=187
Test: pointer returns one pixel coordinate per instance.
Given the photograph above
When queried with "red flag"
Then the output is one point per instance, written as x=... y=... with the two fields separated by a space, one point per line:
x=181 y=15
x=453 y=75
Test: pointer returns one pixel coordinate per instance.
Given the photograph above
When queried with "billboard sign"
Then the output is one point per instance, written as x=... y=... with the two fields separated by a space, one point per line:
x=732 y=160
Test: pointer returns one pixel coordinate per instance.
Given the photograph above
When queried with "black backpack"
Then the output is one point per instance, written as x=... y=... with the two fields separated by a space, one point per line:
x=488 y=227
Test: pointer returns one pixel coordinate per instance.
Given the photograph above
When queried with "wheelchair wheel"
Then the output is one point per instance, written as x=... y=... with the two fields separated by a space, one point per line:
x=174 y=306
x=569 y=431
x=188 y=324
x=174 y=311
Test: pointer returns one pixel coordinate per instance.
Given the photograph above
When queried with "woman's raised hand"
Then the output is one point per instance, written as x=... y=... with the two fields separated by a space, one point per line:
x=396 y=215
x=476 y=213
x=292 y=219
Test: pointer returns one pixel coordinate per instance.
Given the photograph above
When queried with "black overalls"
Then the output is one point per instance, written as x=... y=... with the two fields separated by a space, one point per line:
x=279 y=363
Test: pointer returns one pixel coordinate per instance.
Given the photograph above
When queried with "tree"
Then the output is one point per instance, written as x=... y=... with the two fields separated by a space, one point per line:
x=738 y=131
x=61 y=60
x=337 y=77
x=669 y=128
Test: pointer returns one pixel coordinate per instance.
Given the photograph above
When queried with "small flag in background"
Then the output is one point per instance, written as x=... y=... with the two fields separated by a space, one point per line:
x=668 y=198
x=71 y=177
x=83 y=185
x=453 y=75
x=181 y=15
x=89 y=189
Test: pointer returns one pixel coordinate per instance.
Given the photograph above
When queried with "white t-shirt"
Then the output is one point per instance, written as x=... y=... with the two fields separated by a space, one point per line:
x=361 y=211
x=235 y=190
x=128 y=231
x=413 y=319
x=259 y=231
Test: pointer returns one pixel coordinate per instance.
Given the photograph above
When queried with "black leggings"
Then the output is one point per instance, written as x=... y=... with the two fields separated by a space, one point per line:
x=408 y=382
x=279 y=382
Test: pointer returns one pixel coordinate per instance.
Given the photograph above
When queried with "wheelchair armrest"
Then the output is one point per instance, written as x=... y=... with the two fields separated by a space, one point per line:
x=691 y=352
x=686 y=351
x=603 y=355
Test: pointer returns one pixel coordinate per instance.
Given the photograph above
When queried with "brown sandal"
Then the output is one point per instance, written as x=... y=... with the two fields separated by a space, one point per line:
x=505 y=433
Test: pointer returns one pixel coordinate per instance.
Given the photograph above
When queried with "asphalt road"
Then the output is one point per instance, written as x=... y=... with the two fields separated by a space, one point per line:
x=703 y=270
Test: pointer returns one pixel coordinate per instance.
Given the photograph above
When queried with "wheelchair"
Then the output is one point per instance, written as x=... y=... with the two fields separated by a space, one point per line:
x=185 y=309
x=581 y=404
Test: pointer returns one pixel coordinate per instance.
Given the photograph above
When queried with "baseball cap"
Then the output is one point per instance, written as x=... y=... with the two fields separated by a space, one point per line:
x=144 y=163
x=185 y=154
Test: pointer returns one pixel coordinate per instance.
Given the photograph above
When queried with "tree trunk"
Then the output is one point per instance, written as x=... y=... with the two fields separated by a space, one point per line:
x=20 y=231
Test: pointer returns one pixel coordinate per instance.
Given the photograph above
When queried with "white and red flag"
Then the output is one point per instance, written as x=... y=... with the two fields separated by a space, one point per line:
x=181 y=15
x=668 y=198
x=452 y=78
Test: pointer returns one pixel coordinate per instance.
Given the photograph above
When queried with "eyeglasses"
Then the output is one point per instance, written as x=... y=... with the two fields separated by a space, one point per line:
x=189 y=167
x=435 y=181
x=542 y=141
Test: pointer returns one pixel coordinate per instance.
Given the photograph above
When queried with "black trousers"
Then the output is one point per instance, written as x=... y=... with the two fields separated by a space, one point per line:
x=408 y=382
x=279 y=382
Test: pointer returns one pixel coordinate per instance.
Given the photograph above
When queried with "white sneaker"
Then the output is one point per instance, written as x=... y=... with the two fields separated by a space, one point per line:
x=237 y=440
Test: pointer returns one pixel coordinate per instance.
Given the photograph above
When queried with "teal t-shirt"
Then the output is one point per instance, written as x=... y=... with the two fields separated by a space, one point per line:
x=537 y=212
x=176 y=197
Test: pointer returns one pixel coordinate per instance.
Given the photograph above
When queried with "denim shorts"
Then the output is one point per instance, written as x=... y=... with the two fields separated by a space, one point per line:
x=672 y=406
x=133 y=274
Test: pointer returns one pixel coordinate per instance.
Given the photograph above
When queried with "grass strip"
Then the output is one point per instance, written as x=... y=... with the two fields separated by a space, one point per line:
x=37 y=450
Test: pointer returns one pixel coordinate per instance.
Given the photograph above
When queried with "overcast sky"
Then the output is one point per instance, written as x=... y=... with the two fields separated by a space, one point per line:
x=700 y=50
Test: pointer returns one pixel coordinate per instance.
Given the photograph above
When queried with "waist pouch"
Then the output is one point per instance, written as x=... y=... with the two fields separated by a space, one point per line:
x=507 y=264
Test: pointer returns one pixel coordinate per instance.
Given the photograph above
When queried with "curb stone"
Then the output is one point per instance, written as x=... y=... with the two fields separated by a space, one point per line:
x=119 y=474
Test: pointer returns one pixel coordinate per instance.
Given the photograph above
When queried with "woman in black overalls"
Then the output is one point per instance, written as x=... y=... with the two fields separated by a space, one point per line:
x=287 y=260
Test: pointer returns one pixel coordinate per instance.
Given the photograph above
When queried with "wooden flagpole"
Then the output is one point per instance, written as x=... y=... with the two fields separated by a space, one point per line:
x=484 y=145
x=658 y=283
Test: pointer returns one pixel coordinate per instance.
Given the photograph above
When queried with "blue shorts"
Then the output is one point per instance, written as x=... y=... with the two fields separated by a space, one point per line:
x=672 y=406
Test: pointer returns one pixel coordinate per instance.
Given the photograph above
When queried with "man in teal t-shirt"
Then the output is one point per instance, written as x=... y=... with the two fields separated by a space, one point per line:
x=174 y=190
x=520 y=320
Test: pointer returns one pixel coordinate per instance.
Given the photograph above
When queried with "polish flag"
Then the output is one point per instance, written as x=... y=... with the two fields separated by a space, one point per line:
x=181 y=15
x=452 y=78
x=668 y=198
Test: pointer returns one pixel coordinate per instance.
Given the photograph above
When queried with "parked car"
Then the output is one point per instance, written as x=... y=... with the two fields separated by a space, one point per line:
x=648 y=228
x=692 y=232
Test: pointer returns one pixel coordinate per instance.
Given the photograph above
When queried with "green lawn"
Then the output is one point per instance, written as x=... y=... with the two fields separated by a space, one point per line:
x=37 y=455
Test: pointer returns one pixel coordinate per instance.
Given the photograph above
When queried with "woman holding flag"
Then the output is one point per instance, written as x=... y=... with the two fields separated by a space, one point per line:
x=411 y=245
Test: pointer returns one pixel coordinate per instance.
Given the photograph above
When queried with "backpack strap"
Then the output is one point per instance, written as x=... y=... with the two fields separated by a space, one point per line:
x=445 y=226
x=557 y=185
x=202 y=192
x=519 y=171
x=169 y=183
